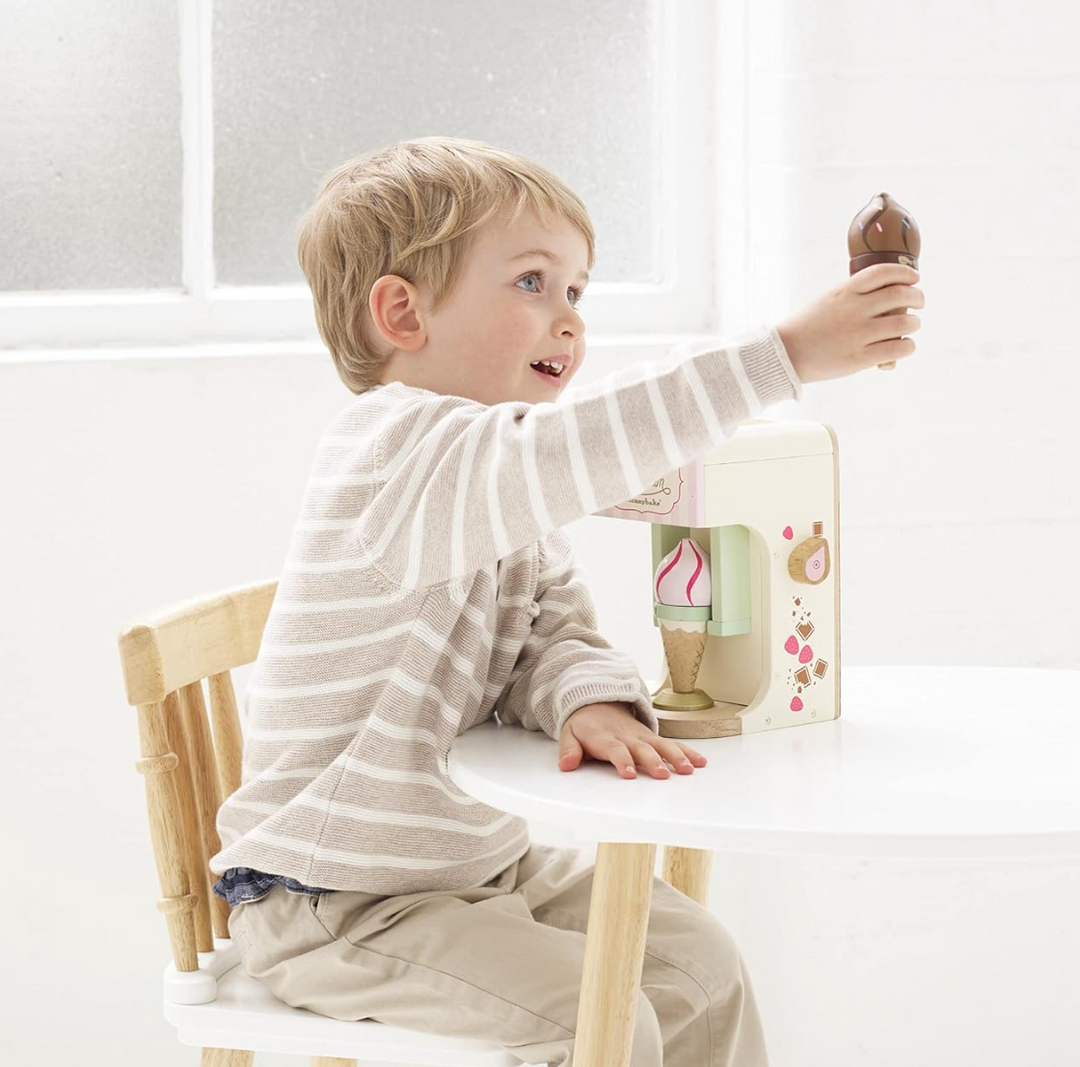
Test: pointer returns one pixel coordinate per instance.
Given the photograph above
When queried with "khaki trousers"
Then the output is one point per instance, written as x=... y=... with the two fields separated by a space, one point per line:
x=503 y=963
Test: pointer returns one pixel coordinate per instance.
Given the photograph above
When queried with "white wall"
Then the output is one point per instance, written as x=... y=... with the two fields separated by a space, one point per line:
x=129 y=483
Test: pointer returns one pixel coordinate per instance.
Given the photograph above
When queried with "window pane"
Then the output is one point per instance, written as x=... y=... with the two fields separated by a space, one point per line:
x=90 y=144
x=301 y=87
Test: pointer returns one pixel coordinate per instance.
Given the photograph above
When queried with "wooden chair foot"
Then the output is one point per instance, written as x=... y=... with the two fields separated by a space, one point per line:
x=227 y=1057
x=331 y=1061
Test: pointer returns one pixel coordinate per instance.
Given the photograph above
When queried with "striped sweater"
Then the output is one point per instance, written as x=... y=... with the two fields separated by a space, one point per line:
x=428 y=585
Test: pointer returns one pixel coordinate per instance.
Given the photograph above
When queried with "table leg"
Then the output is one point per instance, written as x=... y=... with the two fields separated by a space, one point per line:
x=688 y=870
x=614 y=953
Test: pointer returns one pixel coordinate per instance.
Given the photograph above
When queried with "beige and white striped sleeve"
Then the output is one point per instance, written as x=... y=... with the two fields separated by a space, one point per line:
x=566 y=662
x=460 y=484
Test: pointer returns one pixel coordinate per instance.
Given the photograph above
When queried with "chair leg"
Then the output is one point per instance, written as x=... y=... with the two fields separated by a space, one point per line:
x=331 y=1061
x=227 y=1057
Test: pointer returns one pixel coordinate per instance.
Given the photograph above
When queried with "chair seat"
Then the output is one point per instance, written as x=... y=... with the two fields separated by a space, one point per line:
x=244 y=1014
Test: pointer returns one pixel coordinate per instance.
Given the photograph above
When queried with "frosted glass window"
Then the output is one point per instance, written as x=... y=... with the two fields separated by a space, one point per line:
x=301 y=86
x=90 y=144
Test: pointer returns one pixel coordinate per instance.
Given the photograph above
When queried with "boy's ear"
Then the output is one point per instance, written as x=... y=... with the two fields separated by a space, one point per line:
x=395 y=309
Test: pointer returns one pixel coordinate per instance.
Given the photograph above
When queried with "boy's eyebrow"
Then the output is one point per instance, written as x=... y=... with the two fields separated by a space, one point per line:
x=584 y=275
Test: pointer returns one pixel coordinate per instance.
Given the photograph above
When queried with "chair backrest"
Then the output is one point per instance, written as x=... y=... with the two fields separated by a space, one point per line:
x=188 y=768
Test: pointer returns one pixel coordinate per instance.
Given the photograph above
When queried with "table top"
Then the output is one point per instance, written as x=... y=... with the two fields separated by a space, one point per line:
x=924 y=761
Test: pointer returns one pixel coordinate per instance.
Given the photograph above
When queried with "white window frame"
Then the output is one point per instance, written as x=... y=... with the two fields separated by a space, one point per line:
x=700 y=209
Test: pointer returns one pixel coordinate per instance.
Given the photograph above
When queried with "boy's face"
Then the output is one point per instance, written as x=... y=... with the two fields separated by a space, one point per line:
x=505 y=311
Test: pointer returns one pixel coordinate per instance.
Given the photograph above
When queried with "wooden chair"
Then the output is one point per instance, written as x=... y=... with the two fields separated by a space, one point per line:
x=191 y=763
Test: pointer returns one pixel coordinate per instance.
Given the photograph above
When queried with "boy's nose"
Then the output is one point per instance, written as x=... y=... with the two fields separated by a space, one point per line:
x=571 y=325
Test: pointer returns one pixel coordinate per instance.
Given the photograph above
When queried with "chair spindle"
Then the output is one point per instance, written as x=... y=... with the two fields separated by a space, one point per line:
x=158 y=767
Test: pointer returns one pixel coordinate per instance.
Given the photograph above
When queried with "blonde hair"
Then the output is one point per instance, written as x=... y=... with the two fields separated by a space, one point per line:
x=411 y=209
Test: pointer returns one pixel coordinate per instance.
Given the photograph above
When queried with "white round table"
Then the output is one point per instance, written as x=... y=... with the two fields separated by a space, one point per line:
x=924 y=761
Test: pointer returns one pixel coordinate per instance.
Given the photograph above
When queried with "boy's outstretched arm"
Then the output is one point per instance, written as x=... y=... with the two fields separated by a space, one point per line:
x=458 y=485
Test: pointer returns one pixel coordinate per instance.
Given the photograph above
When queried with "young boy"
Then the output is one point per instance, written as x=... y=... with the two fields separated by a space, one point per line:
x=429 y=585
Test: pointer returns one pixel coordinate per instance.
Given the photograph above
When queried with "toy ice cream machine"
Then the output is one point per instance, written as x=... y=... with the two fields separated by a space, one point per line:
x=745 y=577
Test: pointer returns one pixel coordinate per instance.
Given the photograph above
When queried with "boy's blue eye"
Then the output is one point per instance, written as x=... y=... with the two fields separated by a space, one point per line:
x=578 y=292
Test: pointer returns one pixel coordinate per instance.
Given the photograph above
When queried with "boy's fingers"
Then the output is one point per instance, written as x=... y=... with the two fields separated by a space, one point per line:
x=615 y=751
x=651 y=759
x=569 y=752
x=681 y=756
x=870 y=278
x=620 y=756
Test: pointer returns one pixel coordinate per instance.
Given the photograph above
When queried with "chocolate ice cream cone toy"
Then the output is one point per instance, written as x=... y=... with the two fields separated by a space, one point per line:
x=883 y=232
x=682 y=598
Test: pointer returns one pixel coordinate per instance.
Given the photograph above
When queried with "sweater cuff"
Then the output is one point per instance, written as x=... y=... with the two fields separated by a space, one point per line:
x=768 y=368
x=634 y=692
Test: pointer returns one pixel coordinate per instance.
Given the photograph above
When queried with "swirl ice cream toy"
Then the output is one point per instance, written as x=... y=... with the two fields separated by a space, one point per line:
x=883 y=232
x=682 y=601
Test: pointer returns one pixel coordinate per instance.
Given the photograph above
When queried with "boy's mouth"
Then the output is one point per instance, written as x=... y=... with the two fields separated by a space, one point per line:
x=555 y=370
x=549 y=376
x=552 y=367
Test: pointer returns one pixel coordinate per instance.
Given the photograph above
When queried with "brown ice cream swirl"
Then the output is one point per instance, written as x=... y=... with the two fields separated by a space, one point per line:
x=883 y=232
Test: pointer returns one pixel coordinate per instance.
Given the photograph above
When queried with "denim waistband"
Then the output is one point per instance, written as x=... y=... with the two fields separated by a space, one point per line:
x=242 y=885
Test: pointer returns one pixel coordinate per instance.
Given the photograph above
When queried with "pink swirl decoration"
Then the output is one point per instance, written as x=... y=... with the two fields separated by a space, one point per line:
x=683 y=577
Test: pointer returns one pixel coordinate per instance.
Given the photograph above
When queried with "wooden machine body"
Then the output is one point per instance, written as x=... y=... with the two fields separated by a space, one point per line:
x=763 y=505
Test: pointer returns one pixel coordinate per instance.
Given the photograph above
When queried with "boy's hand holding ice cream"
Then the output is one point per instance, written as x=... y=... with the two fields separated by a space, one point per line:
x=850 y=327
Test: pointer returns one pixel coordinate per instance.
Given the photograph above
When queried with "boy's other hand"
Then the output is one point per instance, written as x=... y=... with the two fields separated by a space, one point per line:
x=852 y=326
x=611 y=731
